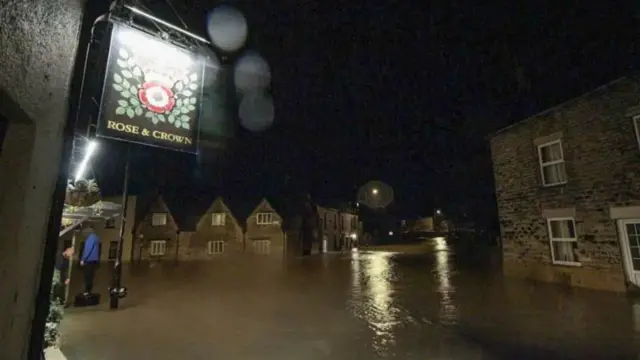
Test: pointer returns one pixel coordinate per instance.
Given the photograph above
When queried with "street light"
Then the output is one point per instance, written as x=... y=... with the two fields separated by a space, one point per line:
x=438 y=212
x=374 y=191
x=91 y=148
x=390 y=233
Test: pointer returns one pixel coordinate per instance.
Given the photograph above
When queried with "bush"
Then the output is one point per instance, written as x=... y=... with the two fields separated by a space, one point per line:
x=56 y=311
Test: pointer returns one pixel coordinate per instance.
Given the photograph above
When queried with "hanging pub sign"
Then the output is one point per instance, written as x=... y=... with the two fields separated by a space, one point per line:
x=152 y=92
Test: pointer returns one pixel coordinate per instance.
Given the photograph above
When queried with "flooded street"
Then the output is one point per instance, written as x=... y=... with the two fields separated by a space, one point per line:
x=446 y=304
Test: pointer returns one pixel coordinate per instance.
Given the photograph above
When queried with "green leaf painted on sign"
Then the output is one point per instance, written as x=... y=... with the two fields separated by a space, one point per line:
x=117 y=78
x=139 y=111
x=123 y=103
x=131 y=62
x=179 y=103
x=127 y=74
x=133 y=89
x=154 y=119
x=161 y=117
x=193 y=100
x=123 y=53
x=117 y=87
x=125 y=94
x=179 y=86
x=120 y=110
x=191 y=107
x=126 y=83
x=187 y=93
x=137 y=71
x=193 y=86
x=149 y=114
x=184 y=118
x=171 y=119
x=184 y=109
x=134 y=101
x=185 y=125
x=122 y=63
x=193 y=77
x=130 y=113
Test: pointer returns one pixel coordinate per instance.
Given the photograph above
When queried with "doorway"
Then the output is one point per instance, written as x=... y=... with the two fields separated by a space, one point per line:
x=630 y=236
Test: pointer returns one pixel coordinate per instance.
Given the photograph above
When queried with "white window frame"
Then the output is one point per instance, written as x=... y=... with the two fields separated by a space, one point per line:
x=552 y=240
x=215 y=247
x=155 y=219
x=218 y=219
x=636 y=126
x=157 y=247
x=551 y=163
x=264 y=218
x=262 y=247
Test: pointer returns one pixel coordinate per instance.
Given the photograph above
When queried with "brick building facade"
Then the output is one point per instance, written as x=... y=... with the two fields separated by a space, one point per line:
x=568 y=190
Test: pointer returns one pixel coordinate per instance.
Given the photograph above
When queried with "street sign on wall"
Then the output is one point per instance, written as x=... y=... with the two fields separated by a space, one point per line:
x=152 y=92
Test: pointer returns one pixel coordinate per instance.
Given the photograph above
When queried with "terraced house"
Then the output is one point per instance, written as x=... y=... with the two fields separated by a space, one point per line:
x=568 y=190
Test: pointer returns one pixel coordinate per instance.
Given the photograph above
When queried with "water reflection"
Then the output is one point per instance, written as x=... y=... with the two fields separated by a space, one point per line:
x=448 y=311
x=374 y=302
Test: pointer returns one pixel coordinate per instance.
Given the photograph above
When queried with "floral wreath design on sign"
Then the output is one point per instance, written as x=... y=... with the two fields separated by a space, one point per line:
x=161 y=97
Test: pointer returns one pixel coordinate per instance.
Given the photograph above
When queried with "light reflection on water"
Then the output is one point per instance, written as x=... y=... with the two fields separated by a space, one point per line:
x=448 y=310
x=373 y=302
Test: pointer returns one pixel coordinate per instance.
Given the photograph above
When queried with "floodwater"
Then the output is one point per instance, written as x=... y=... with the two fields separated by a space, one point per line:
x=446 y=304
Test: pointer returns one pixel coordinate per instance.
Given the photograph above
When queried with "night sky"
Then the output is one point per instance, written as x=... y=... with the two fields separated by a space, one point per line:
x=405 y=94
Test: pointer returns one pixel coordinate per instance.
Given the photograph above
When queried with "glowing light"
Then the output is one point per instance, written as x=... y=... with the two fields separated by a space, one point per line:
x=390 y=233
x=169 y=25
x=354 y=236
x=438 y=212
x=374 y=191
x=91 y=149
x=154 y=50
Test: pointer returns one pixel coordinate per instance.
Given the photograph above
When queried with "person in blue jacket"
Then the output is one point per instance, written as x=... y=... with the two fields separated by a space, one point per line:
x=90 y=259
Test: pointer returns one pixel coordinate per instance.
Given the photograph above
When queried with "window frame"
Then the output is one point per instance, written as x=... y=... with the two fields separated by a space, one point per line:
x=542 y=164
x=256 y=246
x=157 y=242
x=214 y=245
x=552 y=240
x=636 y=126
x=218 y=216
x=110 y=223
x=263 y=215
x=164 y=223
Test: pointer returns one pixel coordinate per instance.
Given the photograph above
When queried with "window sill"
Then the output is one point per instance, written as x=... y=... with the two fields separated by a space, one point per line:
x=546 y=186
x=568 y=264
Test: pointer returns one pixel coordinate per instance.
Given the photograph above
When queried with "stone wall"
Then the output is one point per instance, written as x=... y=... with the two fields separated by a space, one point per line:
x=603 y=168
x=39 y=45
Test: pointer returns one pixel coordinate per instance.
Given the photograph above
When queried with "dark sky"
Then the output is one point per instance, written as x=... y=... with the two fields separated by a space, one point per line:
x=405 y=94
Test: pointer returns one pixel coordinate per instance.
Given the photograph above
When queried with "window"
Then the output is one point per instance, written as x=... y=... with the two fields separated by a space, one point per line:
x=218 y=219
x=158 y=247
x=110 y=224
x=215 y=247
x=262 y=247
x=563 y=240
x=636 y=125
x=158 y=219
x=264 y=218
x=113 y=250
x=552 y=163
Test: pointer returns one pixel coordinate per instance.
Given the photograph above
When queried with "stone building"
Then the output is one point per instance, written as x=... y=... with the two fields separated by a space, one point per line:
x=568 y=190
x=156 y=232
x=263 y=231
x=217 y=233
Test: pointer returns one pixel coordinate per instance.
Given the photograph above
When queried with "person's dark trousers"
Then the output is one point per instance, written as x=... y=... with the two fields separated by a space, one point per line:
x=89 y=271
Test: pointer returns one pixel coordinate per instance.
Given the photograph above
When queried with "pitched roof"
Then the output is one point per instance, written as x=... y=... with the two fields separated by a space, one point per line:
x=187 y=211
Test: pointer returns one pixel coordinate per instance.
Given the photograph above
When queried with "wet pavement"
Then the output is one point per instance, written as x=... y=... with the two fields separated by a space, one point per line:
x=447 y=304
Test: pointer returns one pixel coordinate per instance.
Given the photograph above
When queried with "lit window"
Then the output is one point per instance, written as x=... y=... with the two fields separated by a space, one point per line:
x=552 y=166
x=218 y=219
x=262 y=247
x=157 y=247
x=215 y=247
x=563 y=240
x=158 y=219
x=264 y=218
x=636 y=125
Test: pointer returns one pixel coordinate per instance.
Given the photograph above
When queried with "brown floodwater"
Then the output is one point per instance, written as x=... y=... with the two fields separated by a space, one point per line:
x=444 y=304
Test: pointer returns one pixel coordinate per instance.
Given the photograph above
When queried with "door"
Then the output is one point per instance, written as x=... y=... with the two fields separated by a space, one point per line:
x=630 y=230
